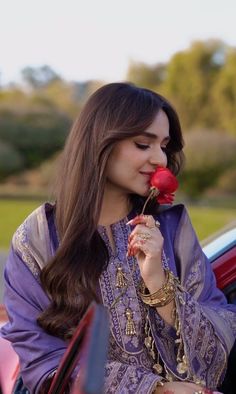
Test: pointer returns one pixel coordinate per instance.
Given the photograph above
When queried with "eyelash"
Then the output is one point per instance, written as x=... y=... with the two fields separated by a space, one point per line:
x=144 y=147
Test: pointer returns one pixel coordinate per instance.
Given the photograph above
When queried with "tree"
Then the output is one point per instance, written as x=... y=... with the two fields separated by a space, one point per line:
x=191 y=75
x=36 y=135
x=10 y=160
x=38 y=77
x=150 y=77
x=224 y=94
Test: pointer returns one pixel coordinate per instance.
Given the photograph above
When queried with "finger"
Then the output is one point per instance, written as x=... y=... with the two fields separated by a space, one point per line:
x=140 y=229
x=135 y=246
x=134 y=221
x=131 y=251
x=142 y=237
x=147 y=220
x=140 y=247
x=132 y=248
x=140 y=219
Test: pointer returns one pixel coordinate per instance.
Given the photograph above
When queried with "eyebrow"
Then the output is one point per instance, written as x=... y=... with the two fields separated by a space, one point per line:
x=154 y=136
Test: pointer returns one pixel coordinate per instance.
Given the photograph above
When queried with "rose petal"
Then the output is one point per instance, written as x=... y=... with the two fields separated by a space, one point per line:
x=165 y=198
x=164 y=180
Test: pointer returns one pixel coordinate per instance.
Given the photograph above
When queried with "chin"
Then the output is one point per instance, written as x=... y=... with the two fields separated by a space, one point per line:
x=141 y=190
x=143 y=193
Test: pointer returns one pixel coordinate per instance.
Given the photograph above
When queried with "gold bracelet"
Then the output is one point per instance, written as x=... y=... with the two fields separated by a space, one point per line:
x=161 y=297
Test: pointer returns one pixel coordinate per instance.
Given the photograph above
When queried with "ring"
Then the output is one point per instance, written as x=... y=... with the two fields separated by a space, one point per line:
x=157 y=224
x=144 y=237
x=150 y=222
x=198 y=392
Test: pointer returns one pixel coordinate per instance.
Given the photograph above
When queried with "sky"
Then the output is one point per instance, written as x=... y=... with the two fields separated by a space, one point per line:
x=98 y=39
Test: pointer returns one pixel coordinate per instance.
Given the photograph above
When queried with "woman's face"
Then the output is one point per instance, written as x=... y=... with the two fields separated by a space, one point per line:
x=134 y=159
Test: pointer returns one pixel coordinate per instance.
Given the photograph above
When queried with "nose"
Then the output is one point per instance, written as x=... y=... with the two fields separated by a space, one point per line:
x=158 y=158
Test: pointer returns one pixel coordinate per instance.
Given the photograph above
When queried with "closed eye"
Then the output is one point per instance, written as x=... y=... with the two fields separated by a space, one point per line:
x=142 y=146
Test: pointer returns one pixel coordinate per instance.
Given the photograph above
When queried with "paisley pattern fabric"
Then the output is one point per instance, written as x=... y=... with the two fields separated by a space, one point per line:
x=208 y=324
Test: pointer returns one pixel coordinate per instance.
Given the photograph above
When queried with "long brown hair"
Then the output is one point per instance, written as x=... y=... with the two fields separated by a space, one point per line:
x=114 y=112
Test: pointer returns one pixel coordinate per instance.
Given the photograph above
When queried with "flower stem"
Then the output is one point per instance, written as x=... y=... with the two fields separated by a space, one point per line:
x=153 y=193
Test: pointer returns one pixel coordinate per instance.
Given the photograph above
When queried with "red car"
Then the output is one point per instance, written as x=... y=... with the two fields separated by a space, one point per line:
x=91 y=338
x=93 y=329
x=221 y=251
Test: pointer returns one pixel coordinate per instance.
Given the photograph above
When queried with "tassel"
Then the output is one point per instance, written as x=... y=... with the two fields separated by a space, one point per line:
x=150 y=345
x=148 y=342
x=182 y=366
x=158 y=367
x=120 y=278
x=130 y=327
x=169 y=377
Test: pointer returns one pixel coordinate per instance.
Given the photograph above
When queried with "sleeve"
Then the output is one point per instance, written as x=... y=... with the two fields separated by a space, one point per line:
x=131 y=379
x=199 y=346
x=39 y=352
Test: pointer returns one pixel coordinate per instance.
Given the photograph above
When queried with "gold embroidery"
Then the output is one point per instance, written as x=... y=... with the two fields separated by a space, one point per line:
x=21 y=248
x=150 y=345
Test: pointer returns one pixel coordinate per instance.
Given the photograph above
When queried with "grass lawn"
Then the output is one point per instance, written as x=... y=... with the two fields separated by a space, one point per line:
x=206 y=220
x=209 y=220
x=12 y=213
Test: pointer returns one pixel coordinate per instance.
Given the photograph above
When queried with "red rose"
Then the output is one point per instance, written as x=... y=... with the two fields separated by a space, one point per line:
x=164 y=181
x=163 y=185
x=165 y=198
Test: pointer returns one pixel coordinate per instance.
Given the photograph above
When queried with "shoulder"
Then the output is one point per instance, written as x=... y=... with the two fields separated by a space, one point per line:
x=31 y=241
x=172 y=218
x=35 y=225
x=172 y=213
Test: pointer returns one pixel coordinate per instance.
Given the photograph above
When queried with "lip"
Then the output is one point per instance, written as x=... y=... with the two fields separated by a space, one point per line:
x=146 y=173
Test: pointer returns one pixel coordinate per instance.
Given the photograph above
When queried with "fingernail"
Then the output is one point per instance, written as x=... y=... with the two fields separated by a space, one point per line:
x=132 y=250
x=134 y=220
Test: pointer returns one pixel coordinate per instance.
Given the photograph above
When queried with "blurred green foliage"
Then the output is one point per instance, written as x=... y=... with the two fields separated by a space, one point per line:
x=200 y=81
x=34 y=135
x=35 y=118
x=209 y=154
x=10 y=160
x=227 y=182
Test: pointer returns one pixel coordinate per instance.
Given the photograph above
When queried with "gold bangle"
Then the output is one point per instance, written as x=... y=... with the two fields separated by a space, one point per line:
x=161 y=297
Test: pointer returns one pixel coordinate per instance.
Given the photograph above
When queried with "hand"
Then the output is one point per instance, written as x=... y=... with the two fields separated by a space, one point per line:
x=146 y=244
x=182 y=388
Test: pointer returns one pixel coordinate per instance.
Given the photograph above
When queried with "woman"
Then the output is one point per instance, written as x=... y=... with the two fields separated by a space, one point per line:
x=93 y=244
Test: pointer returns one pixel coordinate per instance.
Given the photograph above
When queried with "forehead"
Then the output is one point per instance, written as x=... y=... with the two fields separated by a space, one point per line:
x=160 y=125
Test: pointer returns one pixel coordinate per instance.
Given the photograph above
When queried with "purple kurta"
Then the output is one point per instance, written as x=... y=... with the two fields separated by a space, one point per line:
x=208 y=324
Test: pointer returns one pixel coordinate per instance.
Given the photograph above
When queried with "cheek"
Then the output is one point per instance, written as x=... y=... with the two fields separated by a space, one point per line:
x=116 y=167
x=125 y=159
